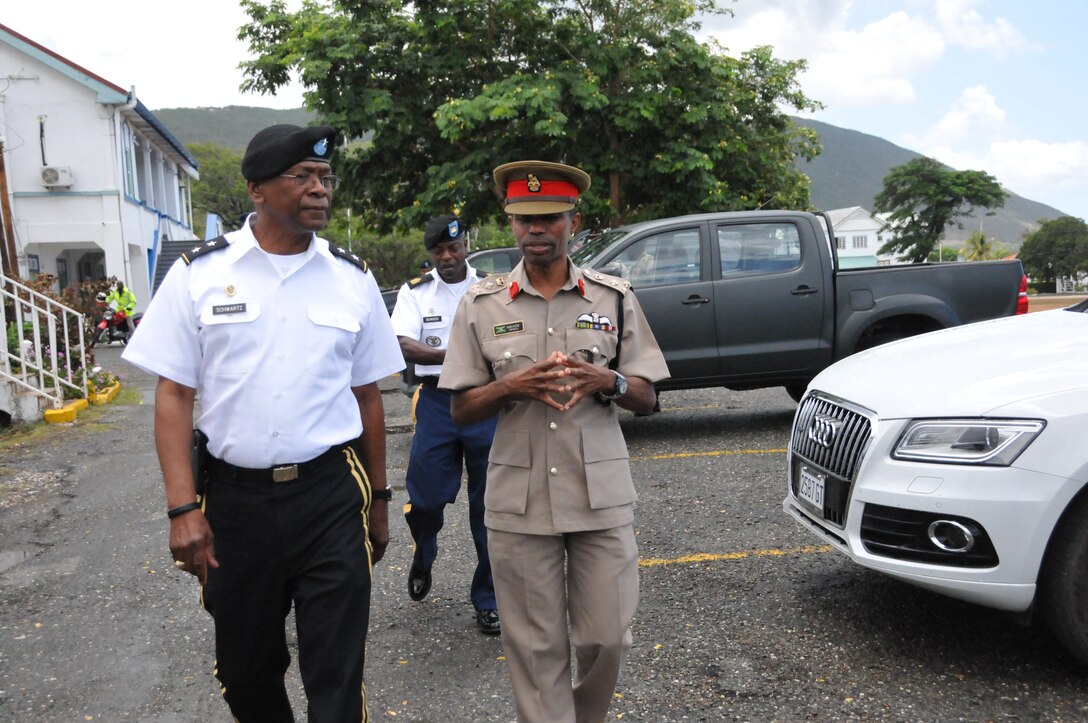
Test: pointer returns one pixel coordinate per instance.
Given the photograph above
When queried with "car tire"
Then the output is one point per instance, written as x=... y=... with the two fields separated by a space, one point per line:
x=796 y=390
x=1064 y=581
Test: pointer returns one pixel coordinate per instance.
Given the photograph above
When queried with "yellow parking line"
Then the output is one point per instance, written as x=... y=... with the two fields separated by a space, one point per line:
x=710 y=557
x=716 y=453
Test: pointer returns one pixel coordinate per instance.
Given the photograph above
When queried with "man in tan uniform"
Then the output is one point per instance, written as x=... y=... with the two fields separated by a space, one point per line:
x=555 y=349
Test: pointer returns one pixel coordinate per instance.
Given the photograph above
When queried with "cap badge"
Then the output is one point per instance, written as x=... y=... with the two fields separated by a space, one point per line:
x=321 y=147
x=454 y=228
x=534 y=183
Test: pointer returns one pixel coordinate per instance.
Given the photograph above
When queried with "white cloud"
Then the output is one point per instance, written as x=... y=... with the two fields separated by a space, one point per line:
x=872 y=65
x=974 y=117
x=962 y=25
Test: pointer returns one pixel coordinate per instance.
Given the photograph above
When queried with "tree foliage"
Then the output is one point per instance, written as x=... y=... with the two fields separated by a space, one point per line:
x=922 y=197
x=664 y=124
x=221 y=189
x=1057 y=249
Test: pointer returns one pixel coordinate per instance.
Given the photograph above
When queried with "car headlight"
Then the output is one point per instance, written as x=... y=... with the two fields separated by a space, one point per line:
x=996 y=442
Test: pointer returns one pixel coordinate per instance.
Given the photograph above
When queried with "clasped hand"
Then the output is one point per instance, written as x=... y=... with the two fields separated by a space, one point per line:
x=561 y=381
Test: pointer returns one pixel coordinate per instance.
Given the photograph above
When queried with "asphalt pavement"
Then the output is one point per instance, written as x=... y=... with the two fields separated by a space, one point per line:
x=743 y=615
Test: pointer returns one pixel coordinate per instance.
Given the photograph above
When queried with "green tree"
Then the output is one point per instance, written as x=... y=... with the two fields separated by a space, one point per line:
x=977 y=248
x=922 y=197
x=663 y=123
x=221 y=189
x=1058 y=248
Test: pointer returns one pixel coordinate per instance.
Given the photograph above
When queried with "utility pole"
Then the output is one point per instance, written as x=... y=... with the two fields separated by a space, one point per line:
x=10 y=265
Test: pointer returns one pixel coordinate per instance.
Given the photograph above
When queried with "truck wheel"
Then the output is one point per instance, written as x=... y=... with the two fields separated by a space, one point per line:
x=1064 y=581
x=796 y=390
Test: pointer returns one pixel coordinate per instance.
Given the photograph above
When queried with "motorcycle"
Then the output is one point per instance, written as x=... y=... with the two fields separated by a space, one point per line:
x=114 y=326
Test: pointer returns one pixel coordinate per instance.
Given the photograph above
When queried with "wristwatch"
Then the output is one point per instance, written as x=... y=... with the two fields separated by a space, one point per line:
x=385 y=493
x=617 y=391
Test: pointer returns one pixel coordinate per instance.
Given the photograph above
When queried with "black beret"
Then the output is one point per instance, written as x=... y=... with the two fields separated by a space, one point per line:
x=443 y=228
x=277 y=148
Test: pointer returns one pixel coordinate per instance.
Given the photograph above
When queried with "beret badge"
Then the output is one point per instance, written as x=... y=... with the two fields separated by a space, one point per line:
x=454 y=229
x=321 y=147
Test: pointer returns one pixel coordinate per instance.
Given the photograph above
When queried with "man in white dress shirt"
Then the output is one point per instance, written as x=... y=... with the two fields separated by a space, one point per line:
x=283 y=338
x=422 y=320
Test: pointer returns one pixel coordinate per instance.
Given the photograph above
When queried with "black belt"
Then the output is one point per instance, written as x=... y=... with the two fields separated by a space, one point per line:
x=431 y=381
x=280 y=473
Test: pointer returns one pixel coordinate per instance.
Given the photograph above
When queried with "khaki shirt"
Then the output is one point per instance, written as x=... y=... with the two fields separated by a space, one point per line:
x=551 y=472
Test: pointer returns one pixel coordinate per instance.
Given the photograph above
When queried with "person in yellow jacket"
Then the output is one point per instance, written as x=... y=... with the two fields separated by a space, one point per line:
x=126 y=302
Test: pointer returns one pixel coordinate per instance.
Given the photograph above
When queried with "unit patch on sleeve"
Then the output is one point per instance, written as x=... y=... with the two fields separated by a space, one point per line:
x=510 y=327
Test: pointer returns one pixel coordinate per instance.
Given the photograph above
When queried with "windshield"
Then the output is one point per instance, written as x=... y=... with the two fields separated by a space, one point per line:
x=594 y=247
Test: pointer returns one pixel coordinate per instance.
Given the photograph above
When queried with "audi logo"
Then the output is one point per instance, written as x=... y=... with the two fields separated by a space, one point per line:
x=823 y=429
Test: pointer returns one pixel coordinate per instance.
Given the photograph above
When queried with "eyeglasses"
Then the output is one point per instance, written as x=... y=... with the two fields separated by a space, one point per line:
x=330 y=182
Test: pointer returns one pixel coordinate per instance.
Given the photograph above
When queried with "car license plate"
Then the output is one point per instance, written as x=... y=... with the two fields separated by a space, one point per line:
x=811 y=489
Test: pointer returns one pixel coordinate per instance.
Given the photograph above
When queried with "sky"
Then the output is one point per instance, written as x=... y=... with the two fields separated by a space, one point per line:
x=992 y=85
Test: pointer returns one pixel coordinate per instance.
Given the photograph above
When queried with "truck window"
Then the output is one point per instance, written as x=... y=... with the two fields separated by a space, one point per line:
x=666 y=258
x=759 y=247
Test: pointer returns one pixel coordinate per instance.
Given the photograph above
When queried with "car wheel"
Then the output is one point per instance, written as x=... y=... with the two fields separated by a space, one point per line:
x=1064 y=583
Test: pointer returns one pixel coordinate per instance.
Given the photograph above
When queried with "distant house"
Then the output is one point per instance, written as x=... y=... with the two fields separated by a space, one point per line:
x=859 y=236
x=96 y=183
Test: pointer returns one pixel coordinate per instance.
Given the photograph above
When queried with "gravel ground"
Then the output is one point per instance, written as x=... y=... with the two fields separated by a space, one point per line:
x=743 y=616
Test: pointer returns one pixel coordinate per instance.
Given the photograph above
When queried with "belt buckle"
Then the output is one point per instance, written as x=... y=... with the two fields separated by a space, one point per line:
x=285 y=473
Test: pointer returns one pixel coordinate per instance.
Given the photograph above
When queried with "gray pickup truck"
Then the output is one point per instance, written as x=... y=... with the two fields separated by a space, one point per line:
x=755 y=299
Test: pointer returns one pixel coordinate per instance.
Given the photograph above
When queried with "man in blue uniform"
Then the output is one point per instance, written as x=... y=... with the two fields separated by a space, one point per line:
x=283 y=338
x=422 y=319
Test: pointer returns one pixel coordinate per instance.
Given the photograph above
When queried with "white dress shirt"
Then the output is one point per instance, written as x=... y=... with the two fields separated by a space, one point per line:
x=425 y=313
x=272 y=355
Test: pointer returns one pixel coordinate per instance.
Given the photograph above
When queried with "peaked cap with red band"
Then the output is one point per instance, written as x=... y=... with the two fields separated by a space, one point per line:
x=536 y=188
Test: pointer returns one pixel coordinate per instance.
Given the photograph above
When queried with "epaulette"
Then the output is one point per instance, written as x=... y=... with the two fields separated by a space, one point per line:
x=351 y=258
x=612 y=282
x=488 y=285
x=215 y=244
x=420 y=280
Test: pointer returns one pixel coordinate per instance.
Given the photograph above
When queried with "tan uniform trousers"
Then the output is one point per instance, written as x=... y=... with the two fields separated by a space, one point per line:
x=599 y=592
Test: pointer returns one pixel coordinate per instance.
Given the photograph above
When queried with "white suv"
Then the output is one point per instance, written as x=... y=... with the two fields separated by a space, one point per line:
x=958 y=461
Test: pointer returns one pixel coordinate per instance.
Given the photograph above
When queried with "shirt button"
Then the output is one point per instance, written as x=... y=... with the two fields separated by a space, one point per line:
x=550 y=331
x=553 y=426
x=596 y=350
x=554 y=470
x=275 y=434
x=507 y=355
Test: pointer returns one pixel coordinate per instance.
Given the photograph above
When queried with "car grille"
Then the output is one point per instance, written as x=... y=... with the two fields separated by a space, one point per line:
x=903 y=535
x=836 y=453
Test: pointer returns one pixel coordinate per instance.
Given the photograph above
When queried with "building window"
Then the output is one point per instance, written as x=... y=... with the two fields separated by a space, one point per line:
x=128 y=154
x=861 y=242
x=840 y=243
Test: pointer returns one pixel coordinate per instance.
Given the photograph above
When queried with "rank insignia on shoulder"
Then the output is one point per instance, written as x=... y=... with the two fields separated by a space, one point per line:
x=205 y=248
x=353 y=259
x=420 y=280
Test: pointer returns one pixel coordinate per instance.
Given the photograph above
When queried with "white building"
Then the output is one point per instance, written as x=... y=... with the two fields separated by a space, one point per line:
x=96 y=184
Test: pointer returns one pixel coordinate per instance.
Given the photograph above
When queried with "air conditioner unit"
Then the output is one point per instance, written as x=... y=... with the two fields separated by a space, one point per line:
x=56 y=176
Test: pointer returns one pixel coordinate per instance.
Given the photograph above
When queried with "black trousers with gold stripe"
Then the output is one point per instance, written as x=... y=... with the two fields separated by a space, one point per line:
x=303 y=542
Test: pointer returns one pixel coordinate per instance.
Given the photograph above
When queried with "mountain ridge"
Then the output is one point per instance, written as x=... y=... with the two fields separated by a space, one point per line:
x=849 y=172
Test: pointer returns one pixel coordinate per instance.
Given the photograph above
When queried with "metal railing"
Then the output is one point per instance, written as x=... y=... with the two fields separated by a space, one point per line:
x=44 y=350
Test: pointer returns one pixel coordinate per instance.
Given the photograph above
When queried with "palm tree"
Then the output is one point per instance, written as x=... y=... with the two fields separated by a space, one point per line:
x=977 y=248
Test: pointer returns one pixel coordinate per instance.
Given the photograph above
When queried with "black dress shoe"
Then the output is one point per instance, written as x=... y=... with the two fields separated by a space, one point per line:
x=419 y=583
x=488 y=621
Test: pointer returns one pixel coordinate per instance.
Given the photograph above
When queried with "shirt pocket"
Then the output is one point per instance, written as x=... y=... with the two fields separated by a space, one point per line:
x=608 y=469
x=230 y=337
x=509 y=465
x=508 y=354
x=592 y=345
x=330 y=335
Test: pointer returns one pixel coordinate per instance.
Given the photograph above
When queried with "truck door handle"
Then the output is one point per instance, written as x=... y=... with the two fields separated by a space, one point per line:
x=693 y=299
x=804 y=290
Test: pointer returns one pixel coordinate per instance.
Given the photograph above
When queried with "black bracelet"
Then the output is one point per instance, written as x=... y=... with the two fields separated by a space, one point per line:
x=182 y=509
